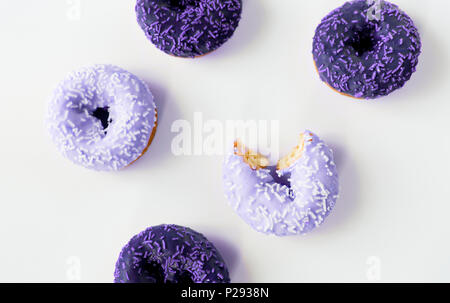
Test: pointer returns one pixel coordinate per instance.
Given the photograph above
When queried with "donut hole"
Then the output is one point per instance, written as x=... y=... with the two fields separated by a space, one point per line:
x=102 y=114
x=282 y=179
x=182 y=277
x=148 y=272
x=153 y=272
x=182 y=4
x=364 y=40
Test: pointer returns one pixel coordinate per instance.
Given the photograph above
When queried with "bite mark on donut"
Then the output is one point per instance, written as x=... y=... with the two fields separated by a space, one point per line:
x=296 y=153
x=258 y=161
x=254 y=159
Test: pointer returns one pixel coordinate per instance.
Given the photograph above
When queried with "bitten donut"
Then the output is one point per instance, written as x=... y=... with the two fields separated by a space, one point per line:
x=170 y=254
x=188 y=28
x=102 y=117
x=292 y=198
x=366 y=50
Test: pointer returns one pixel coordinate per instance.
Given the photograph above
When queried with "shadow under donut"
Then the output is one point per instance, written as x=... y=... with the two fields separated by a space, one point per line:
x=430 y=74
x=232 y=257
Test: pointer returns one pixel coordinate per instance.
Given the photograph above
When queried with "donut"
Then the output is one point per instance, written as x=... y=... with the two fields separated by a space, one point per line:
x=291 y=198
x=170 y=254
x=188 y=28
x=102 y=117
x=366 y=49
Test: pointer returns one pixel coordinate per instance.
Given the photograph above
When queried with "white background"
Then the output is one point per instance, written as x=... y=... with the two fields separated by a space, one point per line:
x=392 y=154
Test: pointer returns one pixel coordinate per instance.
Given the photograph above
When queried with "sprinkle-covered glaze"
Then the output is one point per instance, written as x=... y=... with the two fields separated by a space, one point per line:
x=363 y=57
x=170 y=254
x=188 y=28
x=102 y=117
x=284 y=200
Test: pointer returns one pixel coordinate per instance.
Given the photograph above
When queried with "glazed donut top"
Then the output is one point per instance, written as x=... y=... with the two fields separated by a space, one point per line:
x=188 y=28
x=101 y=117
x=366 y=58
x=170 y=254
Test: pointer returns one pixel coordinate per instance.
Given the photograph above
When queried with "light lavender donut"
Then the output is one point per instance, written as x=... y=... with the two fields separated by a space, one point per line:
x=102 y=117
x=292 y=198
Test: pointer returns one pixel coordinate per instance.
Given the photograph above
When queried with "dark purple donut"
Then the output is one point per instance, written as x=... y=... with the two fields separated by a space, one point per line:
x=364 y=55
x=188 y=28
x=170 y=254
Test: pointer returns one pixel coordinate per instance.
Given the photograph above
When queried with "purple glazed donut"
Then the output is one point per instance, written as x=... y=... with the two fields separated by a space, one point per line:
x=102 y=117
x=188 y=28
x=170 y=254
x=366 y=49
x=290 y=199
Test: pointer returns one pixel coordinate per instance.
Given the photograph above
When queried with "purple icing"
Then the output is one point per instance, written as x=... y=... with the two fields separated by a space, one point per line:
x=286 y=202
x=366 y=58
x=102 y=117
x=188 y=28
x=170 y=254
